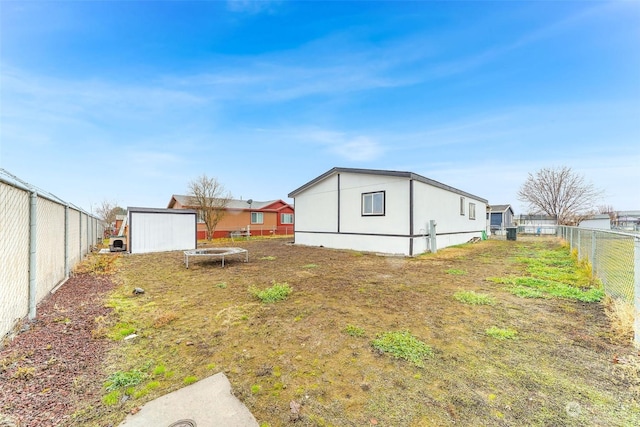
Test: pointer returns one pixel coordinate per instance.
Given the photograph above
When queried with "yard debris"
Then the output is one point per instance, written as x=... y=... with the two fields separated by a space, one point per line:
x=264 y=370
x=138 y=291
x=295 y=410
x=130 y=337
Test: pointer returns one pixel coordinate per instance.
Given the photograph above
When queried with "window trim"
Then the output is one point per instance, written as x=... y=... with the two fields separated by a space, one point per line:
x=472 y=211
x=462 y=205
x=373 y=213
x=282 y=221
x=261 y=217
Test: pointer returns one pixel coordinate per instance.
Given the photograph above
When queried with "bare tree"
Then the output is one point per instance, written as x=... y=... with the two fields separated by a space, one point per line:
x=211 y=199
x=560 y=192
x=108 y=211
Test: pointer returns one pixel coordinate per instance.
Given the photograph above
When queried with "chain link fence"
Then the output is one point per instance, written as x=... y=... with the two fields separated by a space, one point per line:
x=615 y=260
x=41 y=238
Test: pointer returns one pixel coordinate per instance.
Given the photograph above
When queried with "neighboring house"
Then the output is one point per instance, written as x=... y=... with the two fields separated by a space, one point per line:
x=499 y=217
x=627 y=220
x=246 y=216
x=599 y=222
x=385 y=211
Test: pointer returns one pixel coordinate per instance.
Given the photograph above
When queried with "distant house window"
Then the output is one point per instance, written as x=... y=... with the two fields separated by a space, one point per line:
x=472 y=211
x=257 y=218
x=373 y=203
x=461 y=205
x=286 y=218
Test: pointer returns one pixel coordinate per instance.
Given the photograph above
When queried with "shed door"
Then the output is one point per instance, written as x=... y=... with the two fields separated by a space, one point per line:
x=161 y=232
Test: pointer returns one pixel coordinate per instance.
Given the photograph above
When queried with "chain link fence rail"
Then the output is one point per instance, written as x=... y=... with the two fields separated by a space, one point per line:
x=41 y=239
x=615 y=260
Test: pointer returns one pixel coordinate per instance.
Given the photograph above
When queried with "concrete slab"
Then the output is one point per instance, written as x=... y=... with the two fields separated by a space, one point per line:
x=207 y=403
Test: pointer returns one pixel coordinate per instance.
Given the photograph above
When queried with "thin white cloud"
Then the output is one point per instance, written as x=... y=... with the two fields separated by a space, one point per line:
x=354 y=148
x=358 y=149
x=251 y=6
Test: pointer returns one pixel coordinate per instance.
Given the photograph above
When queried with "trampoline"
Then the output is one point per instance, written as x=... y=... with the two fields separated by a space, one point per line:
x=215 y=253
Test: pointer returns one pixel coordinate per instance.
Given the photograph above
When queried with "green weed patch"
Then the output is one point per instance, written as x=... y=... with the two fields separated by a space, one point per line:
x=403 y=345
x=554 y=273
x=501 y=334
x=277 y=292
x=120 y=379
x=473 y=298
x=354 y=331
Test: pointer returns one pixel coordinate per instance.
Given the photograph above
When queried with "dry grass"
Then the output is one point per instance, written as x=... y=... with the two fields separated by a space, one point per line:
x=315 y=348
x=621 y=317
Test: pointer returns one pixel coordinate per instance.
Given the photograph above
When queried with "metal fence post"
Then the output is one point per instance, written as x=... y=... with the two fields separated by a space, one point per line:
x=33 y=253
x=571 y=238
x=579 y=245
x=593 y=252
x=636 y=292
x=66 y=242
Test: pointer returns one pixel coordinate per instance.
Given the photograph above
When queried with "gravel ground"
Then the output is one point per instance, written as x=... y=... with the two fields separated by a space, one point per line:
x=56 y=360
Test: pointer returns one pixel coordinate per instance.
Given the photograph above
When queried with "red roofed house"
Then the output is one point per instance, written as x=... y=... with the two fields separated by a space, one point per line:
x=274 y=217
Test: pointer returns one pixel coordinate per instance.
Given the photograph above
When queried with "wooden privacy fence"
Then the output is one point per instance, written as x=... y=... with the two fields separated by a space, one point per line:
x=41 y=239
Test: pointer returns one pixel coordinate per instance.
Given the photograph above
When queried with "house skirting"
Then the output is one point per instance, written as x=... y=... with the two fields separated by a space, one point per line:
x=385 y=243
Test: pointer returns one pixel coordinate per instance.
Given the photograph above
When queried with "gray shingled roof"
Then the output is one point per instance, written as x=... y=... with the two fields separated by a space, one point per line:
x=408 y=175
x=233 y=203
x=500 y=208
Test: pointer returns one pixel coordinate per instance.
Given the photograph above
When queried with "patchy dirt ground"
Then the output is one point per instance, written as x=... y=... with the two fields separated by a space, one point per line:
x=55 y=364
x=565 y=368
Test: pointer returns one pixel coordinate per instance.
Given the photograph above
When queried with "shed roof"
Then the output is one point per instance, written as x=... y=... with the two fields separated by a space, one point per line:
x=159 y=210
x=500 y=208
x=381 y=172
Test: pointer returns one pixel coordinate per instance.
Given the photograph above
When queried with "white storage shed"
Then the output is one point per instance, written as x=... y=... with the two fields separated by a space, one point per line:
x=161 y=230
x=385 y=211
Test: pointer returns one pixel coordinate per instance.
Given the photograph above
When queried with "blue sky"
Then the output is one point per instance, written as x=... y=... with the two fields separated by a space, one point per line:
x=129 y=101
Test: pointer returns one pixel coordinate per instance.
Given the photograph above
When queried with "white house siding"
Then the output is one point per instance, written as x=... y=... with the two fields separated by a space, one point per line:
x=433 y=203
x=396 y=218
x=319 y=207
x=158 y=231
x=365 y=243
x=329 y=213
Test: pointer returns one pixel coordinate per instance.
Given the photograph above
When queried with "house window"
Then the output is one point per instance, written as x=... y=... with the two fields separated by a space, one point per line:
x=461 y=205
x=472 y=211
x=373 y=203
x=286 y=218
x=257 y=218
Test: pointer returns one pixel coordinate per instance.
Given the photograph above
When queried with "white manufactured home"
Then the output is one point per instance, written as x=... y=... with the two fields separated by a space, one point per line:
x=385 y=211
x=161 y=230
